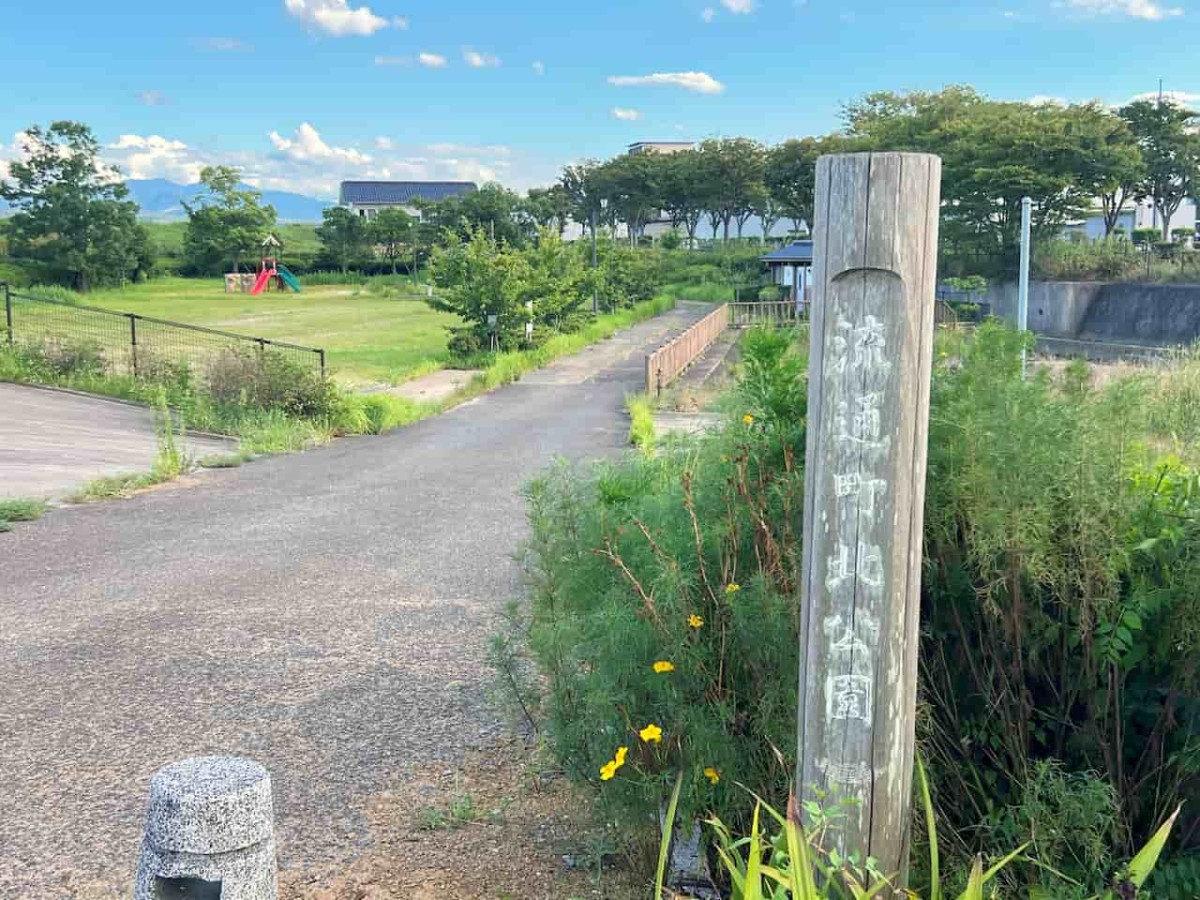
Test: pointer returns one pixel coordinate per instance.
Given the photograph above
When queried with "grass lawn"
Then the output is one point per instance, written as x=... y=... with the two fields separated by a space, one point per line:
x=369 y=334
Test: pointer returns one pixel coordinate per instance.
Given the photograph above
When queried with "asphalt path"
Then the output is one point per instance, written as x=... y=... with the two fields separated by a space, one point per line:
x=324 y=613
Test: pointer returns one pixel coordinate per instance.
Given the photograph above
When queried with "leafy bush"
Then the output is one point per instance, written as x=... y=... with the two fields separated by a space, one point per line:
x=1061 y=596
x=269 y=380
x=1110 y=260
x=57 y=358
x=663 y=603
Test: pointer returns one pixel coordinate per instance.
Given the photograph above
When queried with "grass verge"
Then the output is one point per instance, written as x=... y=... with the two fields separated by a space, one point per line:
x=19 y=510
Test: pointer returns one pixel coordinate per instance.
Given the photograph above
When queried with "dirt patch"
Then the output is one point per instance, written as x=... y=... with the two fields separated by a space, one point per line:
x=432 y=387
x=498 y=827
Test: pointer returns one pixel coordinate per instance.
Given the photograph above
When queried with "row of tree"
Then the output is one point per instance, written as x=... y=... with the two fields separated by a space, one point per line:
x=1068 y=158
x=73 y=220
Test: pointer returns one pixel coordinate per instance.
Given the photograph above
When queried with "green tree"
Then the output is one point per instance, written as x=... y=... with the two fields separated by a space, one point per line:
x=733 y=170
x=1106 y=158
x=486 y=283
x=1165 y=133
x=72 y=218
x=682 y=191
x=343 y=236
x=392 y=232
x=993 y=154
x=494 y=209
x=549 y=207
x=581 y=186
x=226 y=222
x=631 y=184
x=791 y=178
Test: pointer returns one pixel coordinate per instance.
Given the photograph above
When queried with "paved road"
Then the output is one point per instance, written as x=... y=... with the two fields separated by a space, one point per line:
x=322 y=612
x=53 y=442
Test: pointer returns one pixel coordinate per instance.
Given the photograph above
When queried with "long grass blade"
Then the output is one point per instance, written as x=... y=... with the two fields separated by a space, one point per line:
x=935 y=875
x=804 y=885
x=664 y=849
x=754 y=861
x=1146 y=859
x=974 y=889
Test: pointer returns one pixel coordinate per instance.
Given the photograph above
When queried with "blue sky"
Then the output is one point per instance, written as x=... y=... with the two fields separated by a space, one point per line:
x=303 y=93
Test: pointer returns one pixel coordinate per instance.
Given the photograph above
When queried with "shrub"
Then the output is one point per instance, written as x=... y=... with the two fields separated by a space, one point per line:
x=58 y=358
x=268 y=379
x=1107 y=260
x=1059 y=692
x=688 y=558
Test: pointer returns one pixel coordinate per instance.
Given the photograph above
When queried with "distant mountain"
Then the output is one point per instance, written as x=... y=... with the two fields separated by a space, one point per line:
x=159 y=200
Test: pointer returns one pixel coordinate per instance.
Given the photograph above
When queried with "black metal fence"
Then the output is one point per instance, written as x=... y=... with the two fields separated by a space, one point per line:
x=128 y=343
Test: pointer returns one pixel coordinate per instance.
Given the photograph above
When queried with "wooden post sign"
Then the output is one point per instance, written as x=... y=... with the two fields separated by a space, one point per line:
x=875 y=260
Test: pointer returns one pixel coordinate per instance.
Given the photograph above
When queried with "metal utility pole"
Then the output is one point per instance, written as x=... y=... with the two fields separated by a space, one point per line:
x=595 y=265
x=1023 y=278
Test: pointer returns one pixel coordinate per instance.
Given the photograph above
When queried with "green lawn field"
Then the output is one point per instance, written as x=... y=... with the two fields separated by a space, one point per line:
x=370 y=334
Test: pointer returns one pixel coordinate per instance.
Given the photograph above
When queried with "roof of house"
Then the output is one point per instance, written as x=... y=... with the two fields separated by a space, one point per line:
x=795 y=252
x=402 y=192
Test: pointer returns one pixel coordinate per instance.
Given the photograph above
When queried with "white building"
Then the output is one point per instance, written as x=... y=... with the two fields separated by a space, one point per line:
x=367 y=198
x=1137 y=215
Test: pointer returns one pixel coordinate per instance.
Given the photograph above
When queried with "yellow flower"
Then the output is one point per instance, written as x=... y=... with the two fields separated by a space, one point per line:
x=663 y=666
x=732 y=588
x=608 y=770
x=620 y=758
x=651 y=734
x=695 y=621
x=712 y=775
x=747 y=419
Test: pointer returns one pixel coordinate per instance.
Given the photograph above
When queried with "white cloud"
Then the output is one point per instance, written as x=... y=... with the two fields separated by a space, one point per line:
x=400 y=22
x=539 y=68
x=154 y=98
x=224 y=45
x=708 y=14
x=625 y=115
x=739 y=7
x=266 y=166
x=477 y=60
x=431 y=60
x=336 y=17
x=700 y=82
x=1179 y=98
x=154 y=156
x=1150 y=10
x=307 y=146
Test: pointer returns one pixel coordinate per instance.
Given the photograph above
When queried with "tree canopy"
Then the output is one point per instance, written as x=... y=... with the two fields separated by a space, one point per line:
x=227 y=223
x=72 y=220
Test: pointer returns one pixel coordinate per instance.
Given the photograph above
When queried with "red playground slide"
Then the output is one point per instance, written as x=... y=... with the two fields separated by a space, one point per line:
x=264 y=278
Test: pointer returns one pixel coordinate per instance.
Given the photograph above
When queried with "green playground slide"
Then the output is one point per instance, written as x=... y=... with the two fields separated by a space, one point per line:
x=288 y=278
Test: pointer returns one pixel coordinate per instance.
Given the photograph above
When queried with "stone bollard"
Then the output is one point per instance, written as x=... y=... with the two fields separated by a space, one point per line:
x=209 y=832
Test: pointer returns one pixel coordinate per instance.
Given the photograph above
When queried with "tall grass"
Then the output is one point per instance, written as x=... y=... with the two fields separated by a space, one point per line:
x=641 y=421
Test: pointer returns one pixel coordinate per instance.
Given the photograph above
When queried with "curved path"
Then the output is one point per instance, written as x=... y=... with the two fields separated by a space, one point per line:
x=323 y=612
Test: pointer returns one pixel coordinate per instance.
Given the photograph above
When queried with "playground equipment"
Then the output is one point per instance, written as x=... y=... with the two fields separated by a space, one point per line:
x=269 y=269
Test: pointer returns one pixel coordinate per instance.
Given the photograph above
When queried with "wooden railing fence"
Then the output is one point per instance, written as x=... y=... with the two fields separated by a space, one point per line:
x=764 y=312
x=666 y=363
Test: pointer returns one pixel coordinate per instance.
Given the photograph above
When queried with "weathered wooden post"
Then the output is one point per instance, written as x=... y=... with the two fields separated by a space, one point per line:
x=875 y=260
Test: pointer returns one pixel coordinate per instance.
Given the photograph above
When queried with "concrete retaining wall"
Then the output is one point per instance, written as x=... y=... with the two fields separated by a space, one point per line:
x=1157 y=314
